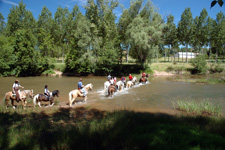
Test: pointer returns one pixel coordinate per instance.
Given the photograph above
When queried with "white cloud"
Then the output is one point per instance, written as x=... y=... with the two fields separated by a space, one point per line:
x=8 y=2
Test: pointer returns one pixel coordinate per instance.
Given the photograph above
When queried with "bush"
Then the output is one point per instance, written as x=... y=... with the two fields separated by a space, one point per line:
x=215 y=68
x=199 y=65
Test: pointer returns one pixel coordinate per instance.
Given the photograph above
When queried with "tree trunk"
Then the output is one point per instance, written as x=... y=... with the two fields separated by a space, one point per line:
x=186 y=53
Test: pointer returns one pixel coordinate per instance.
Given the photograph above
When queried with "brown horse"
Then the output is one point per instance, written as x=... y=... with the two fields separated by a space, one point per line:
x=76 y=93
x=111 y=90
x=41 y=97
x=143 y=80
x=23 y=95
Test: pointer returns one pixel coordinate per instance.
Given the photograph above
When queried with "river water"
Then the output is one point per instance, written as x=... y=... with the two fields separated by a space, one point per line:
x=155 y=96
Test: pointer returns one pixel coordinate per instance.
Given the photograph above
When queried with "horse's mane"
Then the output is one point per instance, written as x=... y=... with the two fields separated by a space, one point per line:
x=88 y=85
x=55 y=92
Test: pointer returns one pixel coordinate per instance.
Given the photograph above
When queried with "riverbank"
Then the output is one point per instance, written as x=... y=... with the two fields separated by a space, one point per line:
x=89 y=128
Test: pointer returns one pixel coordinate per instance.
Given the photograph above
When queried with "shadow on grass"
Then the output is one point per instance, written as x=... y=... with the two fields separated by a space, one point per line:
x=82 y=128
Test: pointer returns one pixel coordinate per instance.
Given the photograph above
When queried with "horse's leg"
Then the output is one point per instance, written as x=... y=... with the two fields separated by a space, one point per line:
x=39 y=103
x=12 y=102
x=85 y=98
x=73 y=99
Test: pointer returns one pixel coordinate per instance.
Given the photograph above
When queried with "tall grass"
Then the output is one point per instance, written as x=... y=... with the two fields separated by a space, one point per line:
x=193 y=106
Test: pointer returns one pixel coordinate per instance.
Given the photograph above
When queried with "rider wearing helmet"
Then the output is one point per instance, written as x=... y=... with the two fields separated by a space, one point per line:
x=16 y=90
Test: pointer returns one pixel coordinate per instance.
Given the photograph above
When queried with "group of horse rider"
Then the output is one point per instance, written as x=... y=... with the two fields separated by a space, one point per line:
x=112 y=80
x=16 y=91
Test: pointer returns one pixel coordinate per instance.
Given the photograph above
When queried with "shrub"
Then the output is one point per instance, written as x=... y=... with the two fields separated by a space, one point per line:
x=216 y=68
x=199 y=65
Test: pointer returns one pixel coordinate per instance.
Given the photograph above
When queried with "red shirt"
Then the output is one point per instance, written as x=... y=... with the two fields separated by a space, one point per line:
x=130 y=77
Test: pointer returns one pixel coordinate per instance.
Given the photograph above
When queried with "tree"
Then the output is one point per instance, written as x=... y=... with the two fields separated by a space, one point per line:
x=104 y=33
x=218 y=33
x=200 y=32
x=45 y=35
x=185 y=30
x=139 y=40
x=170 y=33
x=2 y=23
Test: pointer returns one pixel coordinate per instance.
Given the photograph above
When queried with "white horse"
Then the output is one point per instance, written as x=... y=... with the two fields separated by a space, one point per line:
x=76 y=93
x=130 y=84
x=134 y=80
x=120 y=85
x=106 y=86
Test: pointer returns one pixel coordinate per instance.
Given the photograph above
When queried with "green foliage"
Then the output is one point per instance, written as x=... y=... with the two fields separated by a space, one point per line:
x=199 y=64
x=7 y=58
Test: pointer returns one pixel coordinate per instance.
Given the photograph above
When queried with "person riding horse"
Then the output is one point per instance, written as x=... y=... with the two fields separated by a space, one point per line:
x=15 y=89
x=47 y=92
x=123 y=79
x=81 y=87
x=130 y=77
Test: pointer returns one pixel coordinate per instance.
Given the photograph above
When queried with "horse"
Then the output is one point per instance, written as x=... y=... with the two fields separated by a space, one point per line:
x=134 y=80
x=130 y=84
x=76 y=93
x=111 y=90
x=41 y=97
x=143 y=80
x=23 y=95
x=106 y=85
x=120 y=85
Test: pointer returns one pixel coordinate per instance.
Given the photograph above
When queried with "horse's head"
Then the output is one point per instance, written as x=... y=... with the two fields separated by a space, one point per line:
x=29 y=93
x=89 y=86
x=55 y=93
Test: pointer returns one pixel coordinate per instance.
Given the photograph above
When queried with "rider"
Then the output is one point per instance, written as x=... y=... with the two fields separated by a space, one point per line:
x=109 y=77
x=143 y=74
x=123 y=79
x=16 y=90
x=130 y=77
x=81 y=87
x=47 y=92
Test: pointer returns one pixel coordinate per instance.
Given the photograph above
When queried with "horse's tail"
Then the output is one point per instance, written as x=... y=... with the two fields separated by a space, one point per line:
x=4 y=99
x=35 y=99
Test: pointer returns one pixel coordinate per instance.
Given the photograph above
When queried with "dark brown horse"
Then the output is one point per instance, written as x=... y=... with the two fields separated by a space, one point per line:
x=143 y=80
x=111 y=90
x=41 y=97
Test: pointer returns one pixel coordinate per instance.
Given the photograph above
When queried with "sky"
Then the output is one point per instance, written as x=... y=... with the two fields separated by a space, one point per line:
x=165 y=7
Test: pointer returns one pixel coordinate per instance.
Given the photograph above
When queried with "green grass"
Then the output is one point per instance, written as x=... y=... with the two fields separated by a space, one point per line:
x=202 y=107
x=60 y=66
x=211 y=80
x=89 y=128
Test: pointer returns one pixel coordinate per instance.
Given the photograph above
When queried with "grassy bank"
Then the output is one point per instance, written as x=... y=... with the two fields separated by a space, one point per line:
x=87 y=128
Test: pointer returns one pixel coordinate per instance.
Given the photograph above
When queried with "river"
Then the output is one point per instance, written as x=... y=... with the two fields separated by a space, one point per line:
x=155 y=96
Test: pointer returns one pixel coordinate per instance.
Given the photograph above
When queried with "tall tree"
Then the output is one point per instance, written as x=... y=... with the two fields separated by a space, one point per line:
x=2 y=23
x=185 y=30
x=218 y=34
x=170 y=33
x=104 y=31
x=45 y=37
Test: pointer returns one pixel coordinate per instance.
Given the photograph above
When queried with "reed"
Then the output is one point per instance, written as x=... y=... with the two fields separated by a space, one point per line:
x=196 y=107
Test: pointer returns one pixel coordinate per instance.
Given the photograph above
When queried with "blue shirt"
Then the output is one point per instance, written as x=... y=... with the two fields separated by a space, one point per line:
x=80 y=85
